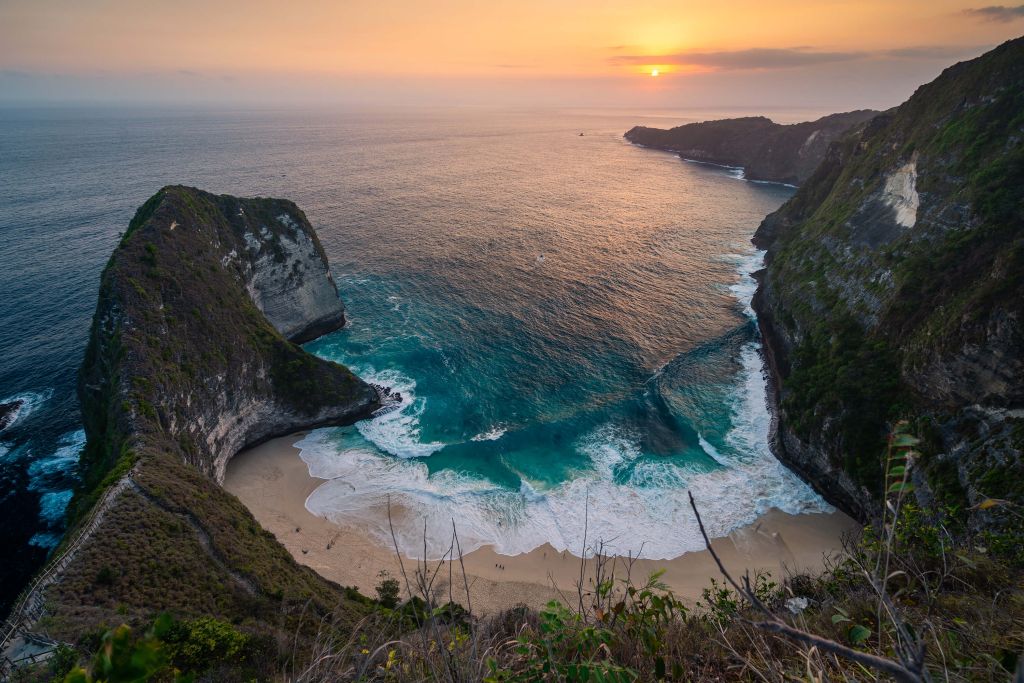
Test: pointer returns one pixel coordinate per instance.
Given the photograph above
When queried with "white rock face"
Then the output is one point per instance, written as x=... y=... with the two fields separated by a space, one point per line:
x=808 y=142
x=287 y=276
x=900 y=193
x=293 y=286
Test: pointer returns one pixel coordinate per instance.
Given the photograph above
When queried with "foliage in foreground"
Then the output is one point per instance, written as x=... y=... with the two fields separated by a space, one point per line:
x=911 y=599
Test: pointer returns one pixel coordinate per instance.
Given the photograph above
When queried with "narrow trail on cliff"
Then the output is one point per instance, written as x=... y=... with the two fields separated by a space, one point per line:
x=18 y=634
x=30 y=607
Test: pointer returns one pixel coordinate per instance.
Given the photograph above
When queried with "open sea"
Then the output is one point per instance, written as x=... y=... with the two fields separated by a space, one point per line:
x=566 y=316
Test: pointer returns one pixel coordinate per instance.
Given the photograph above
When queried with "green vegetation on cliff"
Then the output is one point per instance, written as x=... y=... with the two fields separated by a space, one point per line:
x=894 y=287
x=910 y=600
x=183 y=369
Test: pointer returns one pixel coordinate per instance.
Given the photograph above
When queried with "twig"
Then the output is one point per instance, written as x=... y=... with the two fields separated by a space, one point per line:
x=776 y=625
x=398 y=552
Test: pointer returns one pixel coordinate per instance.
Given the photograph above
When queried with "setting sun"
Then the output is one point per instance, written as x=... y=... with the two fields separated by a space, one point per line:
x=654 y=73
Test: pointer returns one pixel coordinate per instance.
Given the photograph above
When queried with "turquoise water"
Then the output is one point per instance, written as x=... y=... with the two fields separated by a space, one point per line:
x=563 y=309
x=568 y=320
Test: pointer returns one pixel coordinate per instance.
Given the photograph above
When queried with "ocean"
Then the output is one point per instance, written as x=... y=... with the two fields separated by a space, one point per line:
x=566 y=315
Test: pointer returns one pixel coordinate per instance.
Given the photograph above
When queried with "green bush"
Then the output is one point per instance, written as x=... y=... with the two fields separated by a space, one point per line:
x=123 y=658
x=196 y=645
x=388 y=590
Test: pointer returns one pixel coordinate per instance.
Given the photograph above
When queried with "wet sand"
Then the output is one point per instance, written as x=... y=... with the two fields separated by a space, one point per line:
x=274 y=482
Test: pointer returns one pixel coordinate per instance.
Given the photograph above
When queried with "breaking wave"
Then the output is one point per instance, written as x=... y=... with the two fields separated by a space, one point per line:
x=630 y=500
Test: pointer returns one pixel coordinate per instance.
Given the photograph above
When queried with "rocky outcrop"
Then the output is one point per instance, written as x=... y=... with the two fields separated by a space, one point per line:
x=286 y=272
x=192 y=358
x=199 y=303
x=764 y=149
x=9 y=413
x=894 y=288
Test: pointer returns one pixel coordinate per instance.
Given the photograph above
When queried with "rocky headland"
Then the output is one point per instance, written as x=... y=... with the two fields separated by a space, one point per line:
x=193 y=357
x=764 y=149
x=894 y=289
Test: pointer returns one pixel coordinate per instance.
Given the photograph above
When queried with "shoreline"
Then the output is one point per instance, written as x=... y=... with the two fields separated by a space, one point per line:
x=741 y=169
x=273 y=482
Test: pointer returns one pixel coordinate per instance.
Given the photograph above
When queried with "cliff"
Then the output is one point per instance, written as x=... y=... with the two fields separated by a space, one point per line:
x=766 y=150
x=894 y=288
x=191 y=359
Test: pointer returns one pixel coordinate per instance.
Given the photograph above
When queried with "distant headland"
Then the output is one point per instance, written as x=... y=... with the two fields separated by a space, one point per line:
x=764 y=149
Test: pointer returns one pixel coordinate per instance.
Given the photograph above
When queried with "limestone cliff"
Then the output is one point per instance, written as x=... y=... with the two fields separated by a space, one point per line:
x=766 y=150
x=191 y=358
x=894 y=288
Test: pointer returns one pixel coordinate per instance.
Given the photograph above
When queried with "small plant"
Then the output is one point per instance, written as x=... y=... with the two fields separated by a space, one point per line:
x=564 y=649
x=388 y=589
x=125 y=659
x=196 y=645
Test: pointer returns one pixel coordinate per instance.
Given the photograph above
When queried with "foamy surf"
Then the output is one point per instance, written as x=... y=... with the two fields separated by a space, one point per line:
x=492 y=434
x=630 y=502
x=647 y=515
x=398 y=432
x=48 y=475
x=63 y=460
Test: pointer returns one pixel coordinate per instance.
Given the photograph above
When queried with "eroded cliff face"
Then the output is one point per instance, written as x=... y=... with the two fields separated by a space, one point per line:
x=894 y=288
x=766 y=150
x=286 y=272
x=199 y=302
x=192 y=359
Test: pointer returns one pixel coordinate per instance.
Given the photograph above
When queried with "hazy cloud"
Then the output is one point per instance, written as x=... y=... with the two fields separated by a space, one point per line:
x=936 y=51
x=794 y=57
x=754 y=58
x=1000 y=13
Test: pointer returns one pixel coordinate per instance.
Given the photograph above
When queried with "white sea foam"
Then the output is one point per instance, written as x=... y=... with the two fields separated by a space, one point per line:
x=492 y=434
x=737 y=172
x=45 y=539
x=648 y=514
x=710 y=450
x=63 y=460
x=398 y=432
x=631 y=503
x=52 y=506
x=744 y=288
x=43 y=471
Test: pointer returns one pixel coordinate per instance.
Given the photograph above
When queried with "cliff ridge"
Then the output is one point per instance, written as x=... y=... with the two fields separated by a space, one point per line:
x=894 y=288
x=766 y=150
x=192 y=357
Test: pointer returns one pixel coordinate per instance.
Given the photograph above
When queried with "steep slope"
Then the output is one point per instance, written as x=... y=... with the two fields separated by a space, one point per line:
x=894 y=287
x=766 y=150
x=190 y=361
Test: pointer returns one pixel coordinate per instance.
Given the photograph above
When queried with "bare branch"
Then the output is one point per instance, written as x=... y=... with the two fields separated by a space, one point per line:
x=776 y=625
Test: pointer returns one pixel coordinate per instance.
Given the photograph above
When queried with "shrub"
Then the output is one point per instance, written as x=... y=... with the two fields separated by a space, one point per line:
x=388 y=590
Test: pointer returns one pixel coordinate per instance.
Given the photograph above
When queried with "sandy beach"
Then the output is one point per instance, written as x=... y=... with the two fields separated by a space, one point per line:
x=274 y=482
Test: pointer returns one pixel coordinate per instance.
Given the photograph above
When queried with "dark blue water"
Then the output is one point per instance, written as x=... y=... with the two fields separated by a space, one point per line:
x=565 y=313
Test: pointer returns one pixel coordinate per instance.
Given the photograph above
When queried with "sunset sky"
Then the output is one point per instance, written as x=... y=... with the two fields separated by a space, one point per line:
x=827 y=53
